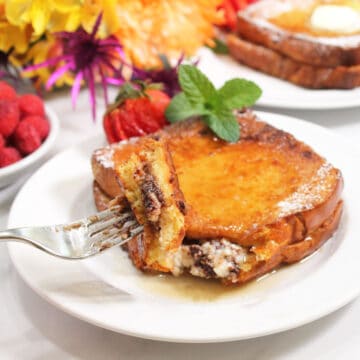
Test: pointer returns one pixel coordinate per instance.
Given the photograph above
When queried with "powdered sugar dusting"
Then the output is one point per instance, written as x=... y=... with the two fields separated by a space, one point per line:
x=105 y=155
x=309 y=194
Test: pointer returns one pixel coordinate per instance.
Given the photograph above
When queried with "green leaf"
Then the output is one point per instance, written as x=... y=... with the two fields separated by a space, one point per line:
x=180 y=109
x=237 y=93
x=224 y=124
x=219 y=48
x=127 y=91
x=196 y=86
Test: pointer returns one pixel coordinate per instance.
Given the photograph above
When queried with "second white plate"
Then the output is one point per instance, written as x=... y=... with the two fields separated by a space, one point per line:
x=276 y=93
x=107 y=291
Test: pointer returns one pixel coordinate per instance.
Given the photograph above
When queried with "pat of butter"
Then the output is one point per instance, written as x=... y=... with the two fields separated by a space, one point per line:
x=336 y=18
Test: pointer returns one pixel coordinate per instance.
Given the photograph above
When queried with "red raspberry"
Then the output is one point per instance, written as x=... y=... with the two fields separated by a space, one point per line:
x=6 y=91
x=26 y=138
x=2 y=142
x=9 y=116
x=39 y=123
x=30 y=104
x=8 y=156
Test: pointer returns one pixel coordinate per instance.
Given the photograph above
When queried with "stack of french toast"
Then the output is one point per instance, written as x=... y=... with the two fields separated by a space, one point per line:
x=311 y=43
x=219 y=210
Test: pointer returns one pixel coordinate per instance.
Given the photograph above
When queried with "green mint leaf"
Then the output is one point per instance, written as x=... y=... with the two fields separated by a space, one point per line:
x=237 y=93
x=224 y=124
x=180 y=109
x=219 y=48
x=200 y=98
x=195 y=85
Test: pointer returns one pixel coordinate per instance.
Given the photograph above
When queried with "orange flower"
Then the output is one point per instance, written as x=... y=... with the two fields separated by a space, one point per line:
x=148 y=28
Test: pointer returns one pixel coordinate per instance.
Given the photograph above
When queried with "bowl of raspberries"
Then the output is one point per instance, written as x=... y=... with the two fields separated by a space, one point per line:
x=28 y=129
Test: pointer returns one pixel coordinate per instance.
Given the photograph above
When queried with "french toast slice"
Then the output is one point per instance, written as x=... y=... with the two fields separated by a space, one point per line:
x=284 y=26
x=276 y=64
x=251 y=206
x=232 y=263
x=150 y=185
x=236 y=190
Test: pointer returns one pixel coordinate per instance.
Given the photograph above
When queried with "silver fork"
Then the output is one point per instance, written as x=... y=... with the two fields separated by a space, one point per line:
x=82 y=238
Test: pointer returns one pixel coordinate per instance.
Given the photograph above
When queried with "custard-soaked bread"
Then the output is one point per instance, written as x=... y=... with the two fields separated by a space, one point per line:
x=252 y=205
x=275 y=64
x=150 y=185
x=286 y=27
x=234 y=191
x=287 y=242
x=311 y=43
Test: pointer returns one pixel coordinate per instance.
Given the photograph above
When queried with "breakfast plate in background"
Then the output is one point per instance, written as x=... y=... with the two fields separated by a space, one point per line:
x=276 y=93
x=109 y=292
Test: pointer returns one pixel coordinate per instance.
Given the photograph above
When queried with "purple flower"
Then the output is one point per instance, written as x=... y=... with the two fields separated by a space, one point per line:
x=89 y=59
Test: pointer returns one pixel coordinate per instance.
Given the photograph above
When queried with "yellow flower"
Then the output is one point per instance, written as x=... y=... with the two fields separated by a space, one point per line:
x=110 y=21
x=38 y=13
x=11 y=35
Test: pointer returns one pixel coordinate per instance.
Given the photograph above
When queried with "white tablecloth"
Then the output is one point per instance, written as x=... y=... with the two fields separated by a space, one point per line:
x=30 y=328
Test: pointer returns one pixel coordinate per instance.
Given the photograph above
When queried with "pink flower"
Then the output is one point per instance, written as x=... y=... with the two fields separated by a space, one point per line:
x=89 y=59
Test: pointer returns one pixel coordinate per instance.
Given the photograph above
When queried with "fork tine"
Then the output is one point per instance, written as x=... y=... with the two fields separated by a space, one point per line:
x=106 y=223
x=119 y=238
x=106 y=233
x=105 y=214
x=112 y=229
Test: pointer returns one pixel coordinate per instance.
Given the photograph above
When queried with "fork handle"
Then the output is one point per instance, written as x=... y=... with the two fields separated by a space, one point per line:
x=35 y=236
x=13 y=234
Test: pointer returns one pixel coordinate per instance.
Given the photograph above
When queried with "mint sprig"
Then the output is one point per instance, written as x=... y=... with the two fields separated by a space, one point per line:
x=199 y=97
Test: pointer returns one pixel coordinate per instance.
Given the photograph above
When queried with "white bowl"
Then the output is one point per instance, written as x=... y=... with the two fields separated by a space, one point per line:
x=13 y=173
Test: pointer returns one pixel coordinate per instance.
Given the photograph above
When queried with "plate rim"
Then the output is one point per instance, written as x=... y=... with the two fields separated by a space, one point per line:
x=273 y=103
x=12 y=252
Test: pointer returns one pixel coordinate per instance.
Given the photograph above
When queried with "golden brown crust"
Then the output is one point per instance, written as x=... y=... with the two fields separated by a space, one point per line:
x=313 y=241
x=288 y=253
x=100 y=197
x=303 y=202
x=275 y=64
x=269 y=148
x=253 y=26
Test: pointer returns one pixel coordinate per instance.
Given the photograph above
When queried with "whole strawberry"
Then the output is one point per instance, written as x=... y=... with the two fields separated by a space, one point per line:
x=136 y=112
x=9 y=116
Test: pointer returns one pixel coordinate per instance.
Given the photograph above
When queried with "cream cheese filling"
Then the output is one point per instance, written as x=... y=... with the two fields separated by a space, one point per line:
x=217 y=258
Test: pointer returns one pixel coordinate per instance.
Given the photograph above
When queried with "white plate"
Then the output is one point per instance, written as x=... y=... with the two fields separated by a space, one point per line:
x=9 y=192
x=276 y=93
x=120 y=298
